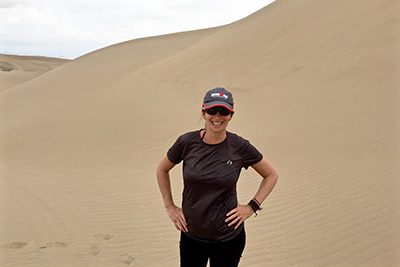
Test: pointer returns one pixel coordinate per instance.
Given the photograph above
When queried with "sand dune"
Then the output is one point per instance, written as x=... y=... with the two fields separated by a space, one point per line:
x=18 y=69
x=316 y=86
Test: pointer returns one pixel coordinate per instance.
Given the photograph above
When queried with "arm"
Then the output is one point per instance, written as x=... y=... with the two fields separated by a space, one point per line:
x=270 y=176
x=164 y=183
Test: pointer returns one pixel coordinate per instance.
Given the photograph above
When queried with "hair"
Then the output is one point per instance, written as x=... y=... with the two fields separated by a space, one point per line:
x=202 y=114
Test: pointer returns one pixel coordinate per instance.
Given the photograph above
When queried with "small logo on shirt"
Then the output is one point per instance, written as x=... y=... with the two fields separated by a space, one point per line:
x=229 y=162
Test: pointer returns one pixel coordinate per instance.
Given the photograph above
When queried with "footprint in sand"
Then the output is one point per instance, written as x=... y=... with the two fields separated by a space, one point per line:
x=15 y=245
x=94 y=250
x=105 y=237
x=127 y=259
x=56 y=244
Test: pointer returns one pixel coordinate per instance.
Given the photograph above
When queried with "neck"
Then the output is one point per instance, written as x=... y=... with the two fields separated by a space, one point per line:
x=213 y=137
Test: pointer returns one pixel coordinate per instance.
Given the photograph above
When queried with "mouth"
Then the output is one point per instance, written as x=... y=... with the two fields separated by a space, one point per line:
x=217 y=123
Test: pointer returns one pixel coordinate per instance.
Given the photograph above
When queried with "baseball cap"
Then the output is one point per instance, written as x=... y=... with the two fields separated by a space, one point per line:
x=218 y=97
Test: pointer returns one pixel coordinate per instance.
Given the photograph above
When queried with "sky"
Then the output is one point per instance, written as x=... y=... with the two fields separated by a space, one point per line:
x=71 y=28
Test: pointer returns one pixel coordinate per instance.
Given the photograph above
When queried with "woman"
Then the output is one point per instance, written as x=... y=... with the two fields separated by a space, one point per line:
x=211 y=220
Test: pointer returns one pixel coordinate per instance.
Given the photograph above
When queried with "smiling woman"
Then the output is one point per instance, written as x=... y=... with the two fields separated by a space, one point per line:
x=211 y=220
x=217 y=112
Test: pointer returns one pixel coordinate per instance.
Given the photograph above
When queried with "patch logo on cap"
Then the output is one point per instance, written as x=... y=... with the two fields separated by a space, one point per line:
x=220 y=94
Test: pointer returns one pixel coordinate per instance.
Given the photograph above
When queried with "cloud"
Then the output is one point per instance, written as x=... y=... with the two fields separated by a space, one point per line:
x=10 y=3
x=70 y=28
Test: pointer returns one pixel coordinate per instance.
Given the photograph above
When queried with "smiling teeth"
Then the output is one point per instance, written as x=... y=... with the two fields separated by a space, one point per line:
x=217 y=123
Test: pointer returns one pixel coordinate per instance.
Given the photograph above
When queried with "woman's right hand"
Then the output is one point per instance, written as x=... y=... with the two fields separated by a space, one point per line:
x=178 y=219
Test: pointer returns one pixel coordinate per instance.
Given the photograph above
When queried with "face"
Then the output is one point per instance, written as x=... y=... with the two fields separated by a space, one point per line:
x=217 y=122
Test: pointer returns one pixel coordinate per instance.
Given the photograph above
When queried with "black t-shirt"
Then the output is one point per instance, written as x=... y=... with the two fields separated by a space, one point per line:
x=210 y=174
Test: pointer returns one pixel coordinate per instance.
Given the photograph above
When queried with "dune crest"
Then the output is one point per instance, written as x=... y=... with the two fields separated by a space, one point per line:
x=15 y=70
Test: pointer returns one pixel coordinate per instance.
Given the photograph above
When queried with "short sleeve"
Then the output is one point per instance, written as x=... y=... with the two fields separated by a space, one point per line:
x=250 y=155
x=175 y=153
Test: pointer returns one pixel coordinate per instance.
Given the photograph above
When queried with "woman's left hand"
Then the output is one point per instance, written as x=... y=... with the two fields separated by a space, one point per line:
x=238 y=215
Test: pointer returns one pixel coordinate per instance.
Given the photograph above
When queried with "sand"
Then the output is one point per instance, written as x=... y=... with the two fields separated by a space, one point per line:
x=316 y=89
x=15 y=70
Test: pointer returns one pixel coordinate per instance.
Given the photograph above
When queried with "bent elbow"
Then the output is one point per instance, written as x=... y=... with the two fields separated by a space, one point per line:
x=273 y=176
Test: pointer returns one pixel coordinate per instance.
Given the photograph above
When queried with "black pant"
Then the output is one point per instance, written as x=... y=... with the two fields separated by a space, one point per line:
x=195 y=253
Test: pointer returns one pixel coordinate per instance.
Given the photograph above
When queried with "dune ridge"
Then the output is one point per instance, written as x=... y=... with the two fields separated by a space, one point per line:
x=316 y=89
x=15 y=70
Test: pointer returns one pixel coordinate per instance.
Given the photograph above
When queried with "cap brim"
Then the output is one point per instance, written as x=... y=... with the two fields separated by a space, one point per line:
x=218 y=104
